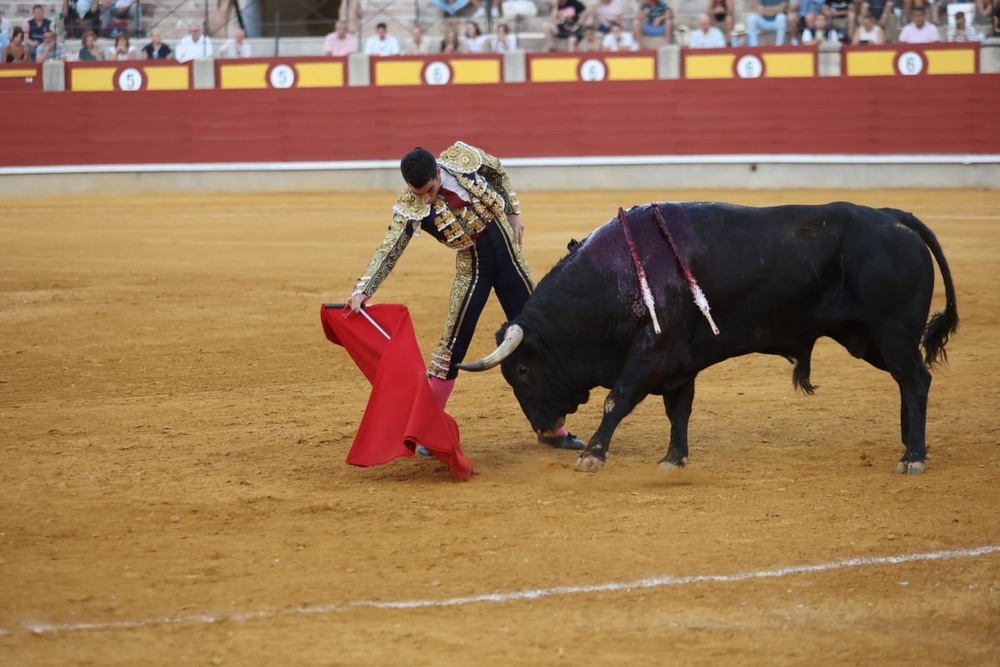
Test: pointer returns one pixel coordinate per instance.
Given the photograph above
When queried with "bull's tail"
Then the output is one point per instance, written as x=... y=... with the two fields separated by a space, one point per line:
x=943 y=323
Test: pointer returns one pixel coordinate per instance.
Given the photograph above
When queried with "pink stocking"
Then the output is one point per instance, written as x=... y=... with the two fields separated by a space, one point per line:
x=441 y=390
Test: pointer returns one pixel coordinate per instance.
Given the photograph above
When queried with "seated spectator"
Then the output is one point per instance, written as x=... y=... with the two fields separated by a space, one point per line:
x=820 y=32
x=603 y=14
x=919 y=31
x=382 y=43
x=120 y=10
x=236 y=46
x=619 y=40
x=738 y=37
x=5 y=29
x=883 y=12
x=418 y=45
x=655 y=19
x=122 y=50
x=35 y=27
x=340 y=42
x=996 y=18
x=450 y=8
x=450 y=43
x=843 y=17
x=89 y=50
x=868 y=32
x=156 y=49
x=50 y=49
x=474 y=41
x=80 y=16
x=565 y=22
x=802 y=14
x=4 y=38
x=502 y=41
x=194 y=45
x=706 y=36
x=960 y=32
x=768 y=16
x=589 y=41
x=721 y=14
x=17 y=51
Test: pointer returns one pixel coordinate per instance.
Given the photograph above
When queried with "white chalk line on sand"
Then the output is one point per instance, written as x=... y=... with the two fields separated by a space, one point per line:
x=514 y=596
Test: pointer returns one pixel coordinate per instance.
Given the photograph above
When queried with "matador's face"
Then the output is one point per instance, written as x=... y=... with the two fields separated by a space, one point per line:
x=429 y=191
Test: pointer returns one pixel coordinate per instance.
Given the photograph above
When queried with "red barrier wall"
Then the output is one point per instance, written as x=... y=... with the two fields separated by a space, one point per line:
x=823 y=115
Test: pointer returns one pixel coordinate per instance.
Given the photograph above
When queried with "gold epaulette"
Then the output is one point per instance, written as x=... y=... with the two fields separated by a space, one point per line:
x=461 y=158
x=410 y=207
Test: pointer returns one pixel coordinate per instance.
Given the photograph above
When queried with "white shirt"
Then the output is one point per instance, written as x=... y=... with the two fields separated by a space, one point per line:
x=230 y=50
x=187 y=49
x=713 y=39
x=476 y=44
x=374 y=46
x=503 y=44
x=625 y=42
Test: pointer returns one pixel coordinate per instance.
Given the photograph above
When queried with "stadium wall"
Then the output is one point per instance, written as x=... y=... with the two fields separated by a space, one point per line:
x=842 y=132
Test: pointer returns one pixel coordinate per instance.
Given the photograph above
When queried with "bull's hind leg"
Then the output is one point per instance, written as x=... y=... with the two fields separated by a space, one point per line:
x=900 y=356
x=677 y=402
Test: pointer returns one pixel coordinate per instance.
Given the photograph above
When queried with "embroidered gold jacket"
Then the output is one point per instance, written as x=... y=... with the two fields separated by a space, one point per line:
x=493 y=199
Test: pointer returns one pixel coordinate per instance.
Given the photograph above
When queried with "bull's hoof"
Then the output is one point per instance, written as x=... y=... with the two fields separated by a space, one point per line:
x=589 y=464
x=909 y=468
x=667 y=464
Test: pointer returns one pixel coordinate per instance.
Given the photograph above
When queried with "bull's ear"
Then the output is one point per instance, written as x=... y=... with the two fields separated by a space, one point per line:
x=572 y=245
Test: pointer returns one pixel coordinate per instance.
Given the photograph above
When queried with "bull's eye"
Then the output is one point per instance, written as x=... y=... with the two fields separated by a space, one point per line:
x=522 y=372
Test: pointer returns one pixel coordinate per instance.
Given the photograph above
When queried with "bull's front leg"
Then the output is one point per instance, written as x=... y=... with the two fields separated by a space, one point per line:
x=678 y=401
x=620 y=402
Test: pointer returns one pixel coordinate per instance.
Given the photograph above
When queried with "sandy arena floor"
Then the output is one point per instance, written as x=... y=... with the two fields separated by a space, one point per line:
x=173 y=427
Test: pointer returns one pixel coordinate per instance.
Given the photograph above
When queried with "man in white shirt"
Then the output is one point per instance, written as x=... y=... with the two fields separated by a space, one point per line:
x=194 y=45
x=236 y=47
x=707 y=36
x=919 y=31
x=382 y=43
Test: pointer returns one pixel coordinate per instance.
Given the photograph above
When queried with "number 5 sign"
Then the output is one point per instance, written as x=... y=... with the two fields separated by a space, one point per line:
x=130 y=79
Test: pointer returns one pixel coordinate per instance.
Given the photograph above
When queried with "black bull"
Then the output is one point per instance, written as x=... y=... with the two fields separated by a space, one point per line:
x=777 y=279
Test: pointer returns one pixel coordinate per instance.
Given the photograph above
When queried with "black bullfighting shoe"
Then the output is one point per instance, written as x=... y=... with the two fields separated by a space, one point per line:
x=568 y=441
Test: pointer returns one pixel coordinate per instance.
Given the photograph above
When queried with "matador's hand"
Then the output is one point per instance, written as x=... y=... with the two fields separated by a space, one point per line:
x=356 y=301
x=514 y=221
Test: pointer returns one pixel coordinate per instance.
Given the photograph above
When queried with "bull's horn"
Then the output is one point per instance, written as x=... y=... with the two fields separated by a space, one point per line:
x=510 y=342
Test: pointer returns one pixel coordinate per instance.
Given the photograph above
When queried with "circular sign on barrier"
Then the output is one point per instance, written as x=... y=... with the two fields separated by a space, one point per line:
x=749 y=67
x=281 y=76
x=910 y=63
x=130 y=79
x=437 y=73
x=593 y=69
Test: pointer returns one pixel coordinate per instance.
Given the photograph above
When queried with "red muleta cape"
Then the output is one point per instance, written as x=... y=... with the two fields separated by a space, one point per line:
x=401 y=411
